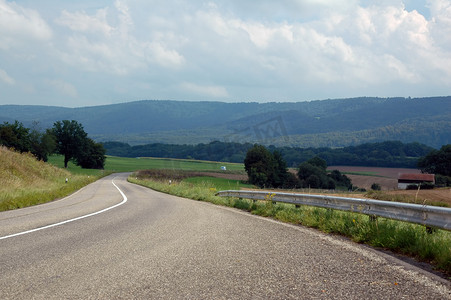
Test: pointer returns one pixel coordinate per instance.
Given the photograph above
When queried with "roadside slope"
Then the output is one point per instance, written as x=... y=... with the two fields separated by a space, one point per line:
x=25 y=181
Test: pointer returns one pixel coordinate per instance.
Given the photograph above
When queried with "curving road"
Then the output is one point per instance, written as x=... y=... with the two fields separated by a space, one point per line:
x=157 y=246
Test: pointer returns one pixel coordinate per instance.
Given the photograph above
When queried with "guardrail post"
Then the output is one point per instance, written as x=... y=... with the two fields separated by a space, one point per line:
x=373 y=218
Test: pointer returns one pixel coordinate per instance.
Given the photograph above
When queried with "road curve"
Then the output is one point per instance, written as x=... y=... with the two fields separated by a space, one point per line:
x=157 y=246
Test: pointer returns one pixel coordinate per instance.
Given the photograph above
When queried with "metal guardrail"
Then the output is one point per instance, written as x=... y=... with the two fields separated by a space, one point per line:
x=430 y=216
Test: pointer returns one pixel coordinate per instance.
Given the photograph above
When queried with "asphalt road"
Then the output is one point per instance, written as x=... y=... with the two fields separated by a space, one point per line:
x=156 y=246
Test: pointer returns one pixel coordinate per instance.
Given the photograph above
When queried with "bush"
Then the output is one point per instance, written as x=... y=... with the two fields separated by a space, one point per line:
x=423 y=186
x=376 y=187
x=265 y=169
x=442 y=181
x=291 y=182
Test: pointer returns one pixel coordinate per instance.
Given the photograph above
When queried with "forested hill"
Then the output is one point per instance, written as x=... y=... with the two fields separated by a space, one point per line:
x=325 y=123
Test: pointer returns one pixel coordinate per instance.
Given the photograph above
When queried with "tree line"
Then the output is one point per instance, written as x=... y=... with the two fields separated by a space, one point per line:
x=67 y=138
x=384 y=154
x=268 y=169
x=438 y=162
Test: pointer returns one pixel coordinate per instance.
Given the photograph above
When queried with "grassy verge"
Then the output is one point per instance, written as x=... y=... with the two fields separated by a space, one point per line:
x=400 y=237
x=52 y=189
x=217 y=183
x=24 y=181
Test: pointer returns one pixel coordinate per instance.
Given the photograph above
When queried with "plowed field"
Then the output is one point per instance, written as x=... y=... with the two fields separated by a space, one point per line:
x=388 y=180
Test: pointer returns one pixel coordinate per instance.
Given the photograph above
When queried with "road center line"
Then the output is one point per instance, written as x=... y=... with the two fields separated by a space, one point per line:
x=71 y=220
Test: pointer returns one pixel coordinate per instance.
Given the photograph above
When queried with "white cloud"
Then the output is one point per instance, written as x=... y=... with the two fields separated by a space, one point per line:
x=6 y=78
x=118 y=51
x=19 y=26
x=440 y=24
x=262 y=35
x=80 y=21
x=157 y=53
x=63 y=87
x=229 y=49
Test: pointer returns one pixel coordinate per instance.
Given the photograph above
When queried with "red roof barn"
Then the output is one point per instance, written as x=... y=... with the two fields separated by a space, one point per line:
x=405 y=180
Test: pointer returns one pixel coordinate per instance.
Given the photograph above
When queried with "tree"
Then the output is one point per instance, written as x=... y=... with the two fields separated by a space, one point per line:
x=42 y=144
x=280 y=170
x=24 y=139
x=15 y=136
x=266 y=169
x=259 y=165
x=437 y=161
x=92 y=156
x=318 y=162
x=340 y=180
x=70 y=138
x=306 y=169
x=313 y=173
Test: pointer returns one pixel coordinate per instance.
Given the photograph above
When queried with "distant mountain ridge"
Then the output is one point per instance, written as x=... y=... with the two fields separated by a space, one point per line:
x=328 y=123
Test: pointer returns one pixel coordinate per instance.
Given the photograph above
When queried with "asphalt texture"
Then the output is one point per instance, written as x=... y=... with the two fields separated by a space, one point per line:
x=157 y=246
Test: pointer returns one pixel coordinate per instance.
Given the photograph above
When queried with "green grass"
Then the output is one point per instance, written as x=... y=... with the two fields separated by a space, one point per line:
x=125 y=164
x=58 y=161
x=217 y=183
x=400 y=237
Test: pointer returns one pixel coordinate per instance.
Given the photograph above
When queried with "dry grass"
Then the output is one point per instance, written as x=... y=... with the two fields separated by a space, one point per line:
x=23 y=170
x=25 y=181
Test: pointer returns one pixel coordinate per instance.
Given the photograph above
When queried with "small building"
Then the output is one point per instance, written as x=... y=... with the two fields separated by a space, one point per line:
x=405 y=179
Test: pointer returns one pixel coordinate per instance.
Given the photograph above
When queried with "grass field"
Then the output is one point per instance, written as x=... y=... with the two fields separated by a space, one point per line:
x=125 y=164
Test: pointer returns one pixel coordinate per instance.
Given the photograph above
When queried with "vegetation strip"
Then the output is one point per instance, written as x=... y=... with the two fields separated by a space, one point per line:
x=429 y=216
x=400 y=237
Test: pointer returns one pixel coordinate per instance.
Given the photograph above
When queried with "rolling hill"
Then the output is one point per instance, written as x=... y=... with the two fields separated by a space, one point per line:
x=330 y=123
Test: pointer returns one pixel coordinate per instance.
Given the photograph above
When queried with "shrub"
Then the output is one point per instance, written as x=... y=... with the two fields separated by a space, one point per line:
x=423 y=186
x=376 y=187
x=442 y=181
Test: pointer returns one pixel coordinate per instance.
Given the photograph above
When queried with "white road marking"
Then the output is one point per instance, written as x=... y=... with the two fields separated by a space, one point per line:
x=71 y=220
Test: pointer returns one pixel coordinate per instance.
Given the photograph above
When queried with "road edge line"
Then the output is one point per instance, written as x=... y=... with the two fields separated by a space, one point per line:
x=124 y=200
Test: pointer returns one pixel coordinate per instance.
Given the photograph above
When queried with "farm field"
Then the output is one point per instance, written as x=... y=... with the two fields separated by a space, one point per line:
x=125 y=164
x=387 y=178
x=364 y=177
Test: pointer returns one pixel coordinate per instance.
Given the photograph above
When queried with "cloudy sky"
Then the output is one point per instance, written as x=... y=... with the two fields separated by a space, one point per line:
x=92 y=52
